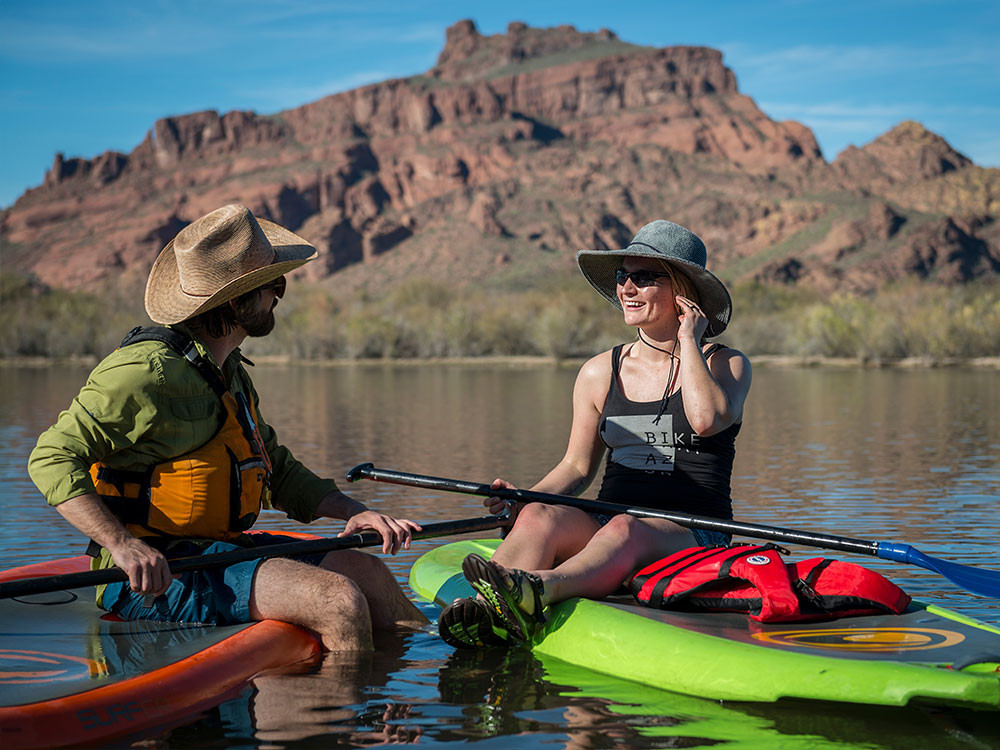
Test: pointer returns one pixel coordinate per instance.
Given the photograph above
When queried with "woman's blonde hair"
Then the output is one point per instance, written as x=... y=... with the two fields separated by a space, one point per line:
x=679 y=282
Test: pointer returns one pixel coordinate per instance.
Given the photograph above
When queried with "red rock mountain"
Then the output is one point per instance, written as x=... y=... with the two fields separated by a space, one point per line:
x=509 y=155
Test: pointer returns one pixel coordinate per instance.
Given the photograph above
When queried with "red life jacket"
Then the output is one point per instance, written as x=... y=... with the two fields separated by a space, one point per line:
x=754 y=579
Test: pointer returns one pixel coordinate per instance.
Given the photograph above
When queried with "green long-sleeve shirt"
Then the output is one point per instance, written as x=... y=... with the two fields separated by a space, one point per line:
x=145 y=404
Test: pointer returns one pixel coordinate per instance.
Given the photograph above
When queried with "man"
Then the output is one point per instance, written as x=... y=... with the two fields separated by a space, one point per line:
x=163 y=454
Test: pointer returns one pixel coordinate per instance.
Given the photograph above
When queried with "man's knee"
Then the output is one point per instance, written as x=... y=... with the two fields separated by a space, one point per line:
x=287 y=586
x=356 y=565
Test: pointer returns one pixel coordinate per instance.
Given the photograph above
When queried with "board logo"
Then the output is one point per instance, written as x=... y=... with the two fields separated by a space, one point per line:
x=34 y=667
x=863 y=639
x=758 y=559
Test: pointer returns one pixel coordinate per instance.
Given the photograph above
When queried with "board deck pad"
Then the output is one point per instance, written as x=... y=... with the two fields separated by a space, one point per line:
x=918 y=635
x=58 y=644
x=72 y=674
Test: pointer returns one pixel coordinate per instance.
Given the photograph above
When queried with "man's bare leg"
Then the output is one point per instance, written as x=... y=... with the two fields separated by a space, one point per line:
x=388 y=605
x=328 y=603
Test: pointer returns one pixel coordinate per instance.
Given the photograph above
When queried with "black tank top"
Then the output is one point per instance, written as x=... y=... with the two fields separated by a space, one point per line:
x=664 y=465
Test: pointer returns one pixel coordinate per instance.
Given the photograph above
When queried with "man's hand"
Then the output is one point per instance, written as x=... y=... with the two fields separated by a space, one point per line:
x=147 y=568
x=396 y=532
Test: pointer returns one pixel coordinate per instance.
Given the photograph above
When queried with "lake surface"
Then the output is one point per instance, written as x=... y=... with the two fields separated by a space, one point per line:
x=897 y=455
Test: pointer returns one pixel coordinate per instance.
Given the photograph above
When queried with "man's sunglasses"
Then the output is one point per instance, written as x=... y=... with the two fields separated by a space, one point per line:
x=277 y=286
x=639 y=278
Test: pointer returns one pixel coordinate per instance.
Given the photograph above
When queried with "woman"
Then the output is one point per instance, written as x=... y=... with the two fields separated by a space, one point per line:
x=667 y=406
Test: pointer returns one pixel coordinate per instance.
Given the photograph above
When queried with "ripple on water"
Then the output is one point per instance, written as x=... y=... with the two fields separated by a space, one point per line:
x=878 y=455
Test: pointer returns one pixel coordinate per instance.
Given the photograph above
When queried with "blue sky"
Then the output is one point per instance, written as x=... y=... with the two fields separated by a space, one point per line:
x=84 y=77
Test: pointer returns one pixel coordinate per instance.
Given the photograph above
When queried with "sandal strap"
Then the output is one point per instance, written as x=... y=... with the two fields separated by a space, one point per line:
x=518 y=577
x=537 y=589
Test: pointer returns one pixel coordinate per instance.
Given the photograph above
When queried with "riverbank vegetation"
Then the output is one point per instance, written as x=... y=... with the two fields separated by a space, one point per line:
x=424 y=318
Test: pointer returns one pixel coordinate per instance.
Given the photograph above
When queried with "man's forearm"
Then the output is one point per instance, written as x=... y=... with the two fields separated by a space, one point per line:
x=338 y=505
x=147 y=569
x=91 y=517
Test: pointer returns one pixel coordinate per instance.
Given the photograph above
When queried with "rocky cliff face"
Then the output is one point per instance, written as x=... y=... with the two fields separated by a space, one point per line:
x=513 y=152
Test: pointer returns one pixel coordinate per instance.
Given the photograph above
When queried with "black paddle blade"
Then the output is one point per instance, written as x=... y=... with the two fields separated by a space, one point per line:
x=981 y=581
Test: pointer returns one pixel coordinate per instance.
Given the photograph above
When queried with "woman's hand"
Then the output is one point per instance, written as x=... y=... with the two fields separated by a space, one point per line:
x=692 y=319
x=495 y=505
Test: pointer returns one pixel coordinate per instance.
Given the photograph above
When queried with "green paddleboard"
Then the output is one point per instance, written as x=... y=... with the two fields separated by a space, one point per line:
x=888 y=660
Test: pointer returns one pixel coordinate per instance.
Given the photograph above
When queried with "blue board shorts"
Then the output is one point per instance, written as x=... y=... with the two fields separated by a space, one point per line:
x=216 y=596
x=702 y=537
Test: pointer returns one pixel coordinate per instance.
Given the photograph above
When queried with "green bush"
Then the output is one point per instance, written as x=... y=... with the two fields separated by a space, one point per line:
x=561 y=318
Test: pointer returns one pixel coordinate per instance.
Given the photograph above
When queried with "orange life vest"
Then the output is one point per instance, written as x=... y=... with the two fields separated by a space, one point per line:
x=213 y=492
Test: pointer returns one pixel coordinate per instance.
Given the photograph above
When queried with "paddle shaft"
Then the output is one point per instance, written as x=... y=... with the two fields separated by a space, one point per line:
x=221 y=559
x=812 y=539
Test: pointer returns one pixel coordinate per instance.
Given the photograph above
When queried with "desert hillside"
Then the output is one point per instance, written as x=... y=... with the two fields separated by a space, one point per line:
x=448 y=208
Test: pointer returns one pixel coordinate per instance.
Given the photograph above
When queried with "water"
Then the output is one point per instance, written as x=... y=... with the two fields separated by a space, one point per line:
x=897 y=455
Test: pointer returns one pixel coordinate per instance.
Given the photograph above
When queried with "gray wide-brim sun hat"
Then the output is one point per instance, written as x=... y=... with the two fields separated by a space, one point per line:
x=674 y=244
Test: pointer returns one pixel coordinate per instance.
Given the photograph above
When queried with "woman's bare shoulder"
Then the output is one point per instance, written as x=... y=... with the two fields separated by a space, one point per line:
x=732 y=360
x=599 y=364
x=592 y=381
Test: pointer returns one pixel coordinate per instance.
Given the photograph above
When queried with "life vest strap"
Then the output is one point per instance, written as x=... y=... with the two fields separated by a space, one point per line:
x=182 y=345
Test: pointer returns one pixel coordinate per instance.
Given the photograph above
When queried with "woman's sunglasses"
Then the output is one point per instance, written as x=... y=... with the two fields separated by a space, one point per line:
x=639 y=278
x=277 y=286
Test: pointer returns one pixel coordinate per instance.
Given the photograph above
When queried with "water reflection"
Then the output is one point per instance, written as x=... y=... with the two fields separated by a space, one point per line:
x=895 y=455
x=429 y=694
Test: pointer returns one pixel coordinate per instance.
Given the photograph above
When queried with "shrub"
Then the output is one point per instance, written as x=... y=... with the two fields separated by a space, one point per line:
x=561 y=318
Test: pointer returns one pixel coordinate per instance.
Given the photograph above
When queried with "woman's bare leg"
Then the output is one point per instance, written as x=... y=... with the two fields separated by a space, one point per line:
x=618 y=549
x=544 y=536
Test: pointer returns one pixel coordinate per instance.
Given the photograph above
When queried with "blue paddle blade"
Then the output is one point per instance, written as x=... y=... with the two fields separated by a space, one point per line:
x=978 y=580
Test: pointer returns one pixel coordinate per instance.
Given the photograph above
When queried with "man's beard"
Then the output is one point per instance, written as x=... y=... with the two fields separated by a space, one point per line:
x=259 y=324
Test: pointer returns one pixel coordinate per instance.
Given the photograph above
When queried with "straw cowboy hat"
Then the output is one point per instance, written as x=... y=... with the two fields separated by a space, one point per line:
x=217 y=258
x=674 y=244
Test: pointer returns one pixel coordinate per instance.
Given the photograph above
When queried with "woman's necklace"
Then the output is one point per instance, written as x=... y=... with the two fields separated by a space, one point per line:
x=674 y=359
x=654 y=346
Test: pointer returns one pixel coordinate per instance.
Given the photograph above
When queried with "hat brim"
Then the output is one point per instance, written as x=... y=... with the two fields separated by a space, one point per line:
x=599 y=267
x=167 y=303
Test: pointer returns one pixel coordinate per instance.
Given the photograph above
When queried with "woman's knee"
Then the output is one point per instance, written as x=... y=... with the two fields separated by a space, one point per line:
x=541 y=519
x=647 y=540
x=622 y=528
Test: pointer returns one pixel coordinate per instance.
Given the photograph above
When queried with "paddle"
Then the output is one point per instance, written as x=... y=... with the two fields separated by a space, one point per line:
x=981 y=581
x=65 y=581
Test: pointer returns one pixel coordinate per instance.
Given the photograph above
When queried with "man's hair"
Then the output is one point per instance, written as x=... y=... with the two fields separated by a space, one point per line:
x=221 y=320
